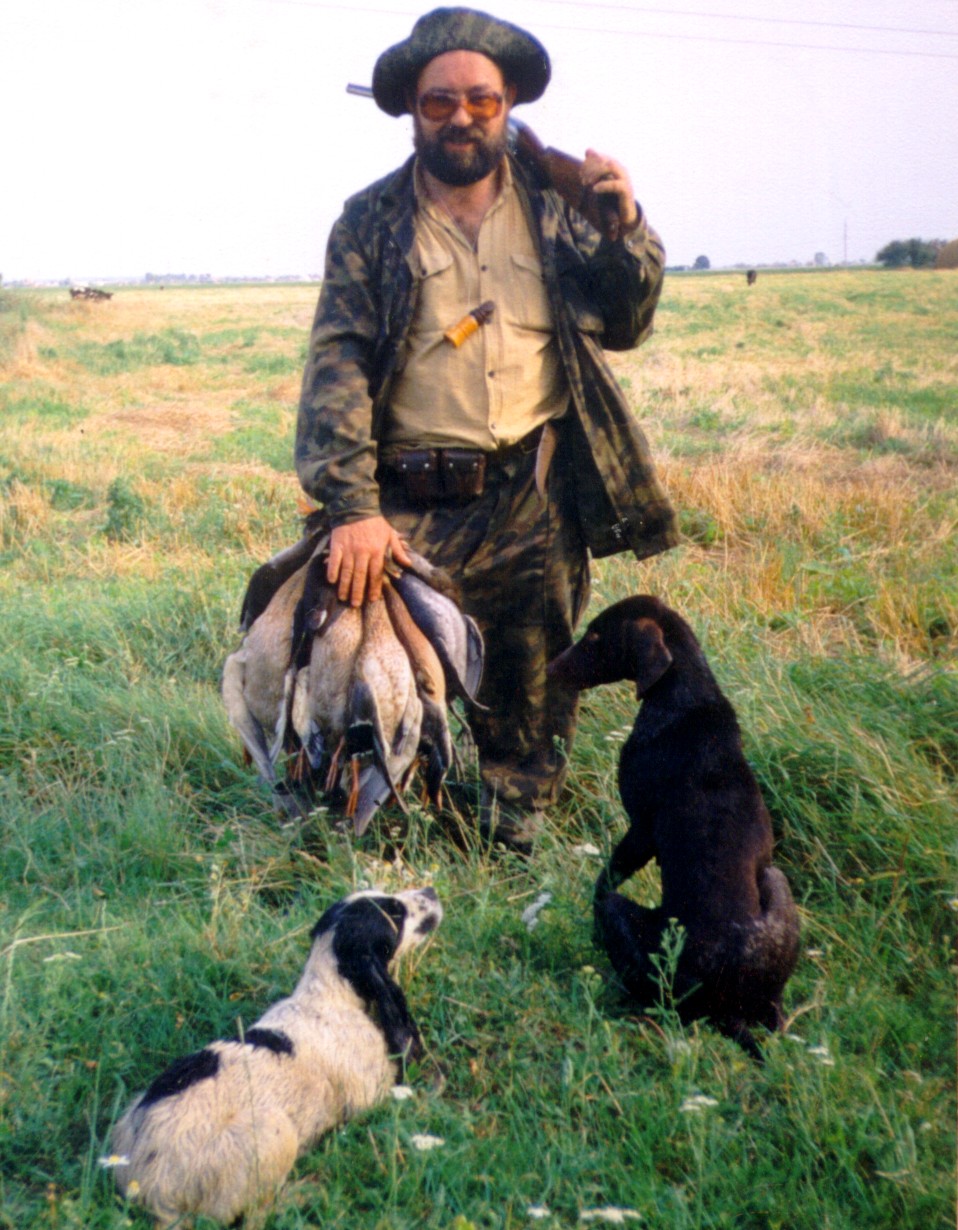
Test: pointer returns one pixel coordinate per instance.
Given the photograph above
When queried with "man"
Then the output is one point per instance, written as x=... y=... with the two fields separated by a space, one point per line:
x=509 y=457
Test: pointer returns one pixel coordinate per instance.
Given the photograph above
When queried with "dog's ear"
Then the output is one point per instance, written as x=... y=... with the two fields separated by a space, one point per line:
x=647 y=652
x=368 y=932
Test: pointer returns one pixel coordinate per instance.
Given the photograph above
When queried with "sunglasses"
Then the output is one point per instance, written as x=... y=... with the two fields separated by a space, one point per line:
x=438 y=105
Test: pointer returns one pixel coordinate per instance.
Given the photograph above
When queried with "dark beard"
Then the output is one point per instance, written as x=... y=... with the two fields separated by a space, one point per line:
x=458 y=170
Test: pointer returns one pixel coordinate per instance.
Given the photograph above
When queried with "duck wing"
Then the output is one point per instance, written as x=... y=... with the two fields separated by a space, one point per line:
x=269 y=577
x=454 y=635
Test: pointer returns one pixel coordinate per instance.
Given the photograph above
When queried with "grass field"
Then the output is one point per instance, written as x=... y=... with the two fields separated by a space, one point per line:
x=807 y=428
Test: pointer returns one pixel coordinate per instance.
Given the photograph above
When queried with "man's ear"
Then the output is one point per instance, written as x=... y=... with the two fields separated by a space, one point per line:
x=647 y=654
x=509 y=94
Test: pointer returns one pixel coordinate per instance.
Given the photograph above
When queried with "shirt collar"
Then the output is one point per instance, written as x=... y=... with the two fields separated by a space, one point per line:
x=425 y=201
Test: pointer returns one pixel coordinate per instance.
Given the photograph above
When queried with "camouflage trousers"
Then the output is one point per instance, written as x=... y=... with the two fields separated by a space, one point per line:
x=523 y=569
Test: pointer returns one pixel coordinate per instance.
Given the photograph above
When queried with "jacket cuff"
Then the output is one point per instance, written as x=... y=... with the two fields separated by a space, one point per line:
x=637 y=237
x=353 y=506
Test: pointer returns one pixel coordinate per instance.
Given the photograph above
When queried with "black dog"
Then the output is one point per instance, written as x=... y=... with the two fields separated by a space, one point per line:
x=695 y=806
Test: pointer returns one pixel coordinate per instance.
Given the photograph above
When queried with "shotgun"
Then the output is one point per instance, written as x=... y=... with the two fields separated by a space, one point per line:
x=551 y=168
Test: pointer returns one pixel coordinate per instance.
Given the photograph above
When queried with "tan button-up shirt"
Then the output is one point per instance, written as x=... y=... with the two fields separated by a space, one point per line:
x=507 y=378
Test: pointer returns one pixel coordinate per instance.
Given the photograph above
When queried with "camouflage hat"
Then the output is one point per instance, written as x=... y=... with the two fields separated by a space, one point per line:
x=523 y=59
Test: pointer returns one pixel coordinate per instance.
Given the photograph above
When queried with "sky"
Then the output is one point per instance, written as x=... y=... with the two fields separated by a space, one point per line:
x=216 y=136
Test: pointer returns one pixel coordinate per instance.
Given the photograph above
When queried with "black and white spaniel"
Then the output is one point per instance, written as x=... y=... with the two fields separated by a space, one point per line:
x=218 y=1132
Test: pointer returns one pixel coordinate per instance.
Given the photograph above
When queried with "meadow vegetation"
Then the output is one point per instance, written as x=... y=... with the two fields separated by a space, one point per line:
x=807 y=428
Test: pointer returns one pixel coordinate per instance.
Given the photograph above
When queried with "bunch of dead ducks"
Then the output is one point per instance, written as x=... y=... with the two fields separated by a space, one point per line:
x=351 y=700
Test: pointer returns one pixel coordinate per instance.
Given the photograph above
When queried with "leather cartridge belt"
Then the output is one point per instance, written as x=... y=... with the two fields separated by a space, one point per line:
x=449 y=475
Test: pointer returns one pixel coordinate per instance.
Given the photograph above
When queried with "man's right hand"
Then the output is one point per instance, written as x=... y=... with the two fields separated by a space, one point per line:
x=357 y=558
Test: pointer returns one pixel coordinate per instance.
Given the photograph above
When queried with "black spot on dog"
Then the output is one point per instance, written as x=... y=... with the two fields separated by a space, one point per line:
x=272 y=1039
x=189 y=1070
x=368 y=929
x=366 y=934
x=427 y=925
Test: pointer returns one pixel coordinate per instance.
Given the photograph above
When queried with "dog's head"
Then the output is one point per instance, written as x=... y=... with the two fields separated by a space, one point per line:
x=625 y=641
x=369 y=930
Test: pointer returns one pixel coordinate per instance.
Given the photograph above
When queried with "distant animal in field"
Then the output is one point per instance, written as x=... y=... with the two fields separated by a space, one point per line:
x=219 y=1131
x=90 y=292
x=751 y=277
x=694 y=805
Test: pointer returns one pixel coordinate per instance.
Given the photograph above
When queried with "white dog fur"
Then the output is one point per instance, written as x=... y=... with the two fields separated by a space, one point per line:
x=218 y=1132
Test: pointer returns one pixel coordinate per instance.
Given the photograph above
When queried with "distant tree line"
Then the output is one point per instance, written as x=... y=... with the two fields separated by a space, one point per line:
x=913 y=253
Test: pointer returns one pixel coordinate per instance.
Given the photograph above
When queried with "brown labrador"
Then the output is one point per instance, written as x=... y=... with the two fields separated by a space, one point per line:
x=693 y=805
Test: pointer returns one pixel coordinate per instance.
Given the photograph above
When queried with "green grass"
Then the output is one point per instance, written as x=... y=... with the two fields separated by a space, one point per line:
x=150 y=900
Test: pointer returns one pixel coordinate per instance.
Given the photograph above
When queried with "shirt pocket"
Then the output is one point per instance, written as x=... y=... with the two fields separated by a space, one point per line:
x=529 y=301
x=439 y=295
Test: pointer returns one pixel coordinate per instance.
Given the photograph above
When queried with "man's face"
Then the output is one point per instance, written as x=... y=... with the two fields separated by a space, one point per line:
x=461 y=149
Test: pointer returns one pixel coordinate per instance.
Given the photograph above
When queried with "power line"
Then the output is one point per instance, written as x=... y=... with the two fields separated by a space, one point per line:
x=755 y=42
x=326 y=5
x=779 y=21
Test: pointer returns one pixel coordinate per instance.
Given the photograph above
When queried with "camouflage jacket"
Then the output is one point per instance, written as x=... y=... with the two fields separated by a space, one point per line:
x=602 y=294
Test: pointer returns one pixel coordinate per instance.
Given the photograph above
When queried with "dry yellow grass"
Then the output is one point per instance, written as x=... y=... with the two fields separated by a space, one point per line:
x=819 y=508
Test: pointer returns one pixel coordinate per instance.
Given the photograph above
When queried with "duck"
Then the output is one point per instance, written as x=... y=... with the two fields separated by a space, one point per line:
x=435 y=739
x=431 y=599
x=318 y=708
x=255 y=685
x=384 y=718
x=354 y=696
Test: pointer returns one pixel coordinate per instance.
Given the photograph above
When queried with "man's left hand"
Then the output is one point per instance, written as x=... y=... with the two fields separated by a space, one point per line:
x=604 y=175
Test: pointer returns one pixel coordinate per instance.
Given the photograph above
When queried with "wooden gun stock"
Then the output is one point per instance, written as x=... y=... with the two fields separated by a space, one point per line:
x=560 y=171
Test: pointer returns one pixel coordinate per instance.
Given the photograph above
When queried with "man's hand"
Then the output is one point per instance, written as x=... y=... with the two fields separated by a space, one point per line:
x=605 y=175
x=357 y=557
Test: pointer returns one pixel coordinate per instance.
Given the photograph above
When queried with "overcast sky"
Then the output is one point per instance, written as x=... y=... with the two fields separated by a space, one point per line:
x=216 y=136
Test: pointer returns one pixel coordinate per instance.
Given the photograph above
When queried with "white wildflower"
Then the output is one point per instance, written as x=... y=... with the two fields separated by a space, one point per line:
x=587 y=850
x=113 y=1160
x=530 y=915
x=815 y=953
x=697 y=1102
x=824 y=1054
x=617 y=1216
x=402 y=1092
x=795 y=1038
x=538 y=1211
x=424 y=1142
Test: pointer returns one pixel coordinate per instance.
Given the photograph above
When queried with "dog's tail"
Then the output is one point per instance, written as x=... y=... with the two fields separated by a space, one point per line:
x=779 y=919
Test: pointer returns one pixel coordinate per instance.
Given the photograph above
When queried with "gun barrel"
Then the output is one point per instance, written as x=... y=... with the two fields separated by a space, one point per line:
x=364 y=91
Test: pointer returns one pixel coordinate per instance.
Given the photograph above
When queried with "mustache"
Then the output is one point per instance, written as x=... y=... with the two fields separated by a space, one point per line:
x=452 y=133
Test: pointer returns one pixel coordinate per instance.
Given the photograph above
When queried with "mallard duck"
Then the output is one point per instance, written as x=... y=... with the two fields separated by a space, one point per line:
x=255 y=685
x=384 y=717
x=435 y=739
x=321 y=689
x=454 y=635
